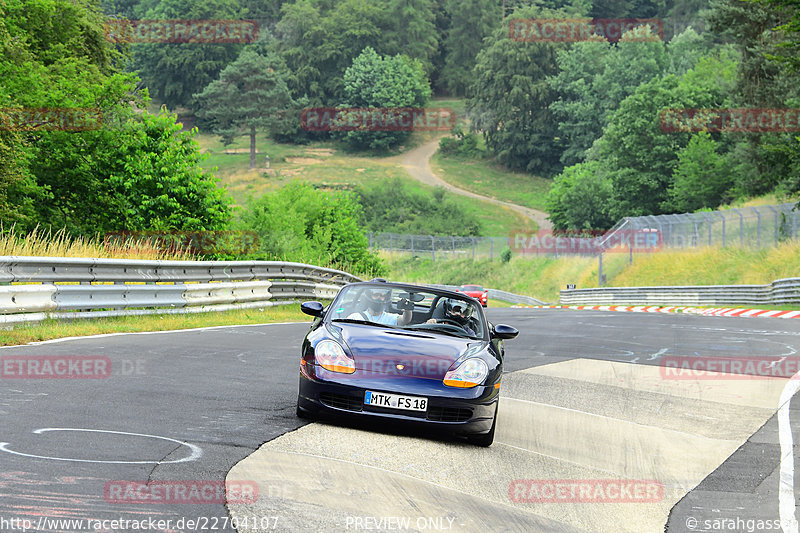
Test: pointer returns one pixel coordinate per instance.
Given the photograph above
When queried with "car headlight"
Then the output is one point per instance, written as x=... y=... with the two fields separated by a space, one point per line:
x=468 y=374
x=330 y=356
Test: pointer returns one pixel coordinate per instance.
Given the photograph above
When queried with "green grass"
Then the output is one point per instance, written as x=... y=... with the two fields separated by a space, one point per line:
x=543 y=277
x=323 y=165
x=54 y=329
x=489 y=179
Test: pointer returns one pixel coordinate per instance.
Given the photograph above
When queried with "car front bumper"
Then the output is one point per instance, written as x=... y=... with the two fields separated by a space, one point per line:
x=459 y=411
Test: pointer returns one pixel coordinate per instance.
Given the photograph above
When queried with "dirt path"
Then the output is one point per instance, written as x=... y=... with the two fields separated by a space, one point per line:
x=418 y=163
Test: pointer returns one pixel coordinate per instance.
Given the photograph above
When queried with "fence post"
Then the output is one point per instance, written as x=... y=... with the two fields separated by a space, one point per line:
x=391 y=244
x=433 y=249
x=491 y=248
x=412 y=245
x=600 y=269
x=759 y=226
x=370 y=240
x=473 y=248
x=777 y=223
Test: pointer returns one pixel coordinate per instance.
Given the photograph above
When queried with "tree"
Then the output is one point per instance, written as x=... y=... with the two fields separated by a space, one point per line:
x=510 y=100
x=143 y=174
x=580 y=198
x=767 y=79
x=640 y=155
x=174 y=71
x=471 y=21
x=578 y=108
x=158 y=182
x=685 y=50
x=319 y=40
x=414 y=31
x=702 y=178
x=250 y=95
x=383 y=82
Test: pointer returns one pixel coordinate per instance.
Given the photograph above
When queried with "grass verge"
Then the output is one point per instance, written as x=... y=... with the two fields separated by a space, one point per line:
x=56 y=329
x=485 y=178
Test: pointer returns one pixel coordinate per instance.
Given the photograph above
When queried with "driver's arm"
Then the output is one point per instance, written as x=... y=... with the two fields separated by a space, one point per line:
x=405 y=318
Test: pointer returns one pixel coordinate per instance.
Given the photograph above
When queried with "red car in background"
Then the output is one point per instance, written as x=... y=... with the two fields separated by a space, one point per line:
x=476 y=291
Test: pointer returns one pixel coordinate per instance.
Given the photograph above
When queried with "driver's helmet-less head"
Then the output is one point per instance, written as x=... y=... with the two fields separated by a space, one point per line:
x=457 y=310
x=377 y=299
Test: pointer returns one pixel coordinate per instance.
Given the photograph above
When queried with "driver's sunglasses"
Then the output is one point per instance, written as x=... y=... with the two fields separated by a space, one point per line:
x=382 y=296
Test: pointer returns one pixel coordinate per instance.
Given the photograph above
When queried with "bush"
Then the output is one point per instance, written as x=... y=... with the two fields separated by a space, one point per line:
x=393 y=207
x=505 y=255
x=463 y=144
x=300 y=223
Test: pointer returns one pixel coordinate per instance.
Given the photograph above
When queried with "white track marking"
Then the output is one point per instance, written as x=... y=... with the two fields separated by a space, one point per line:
x=786 y=503
x=197 y=452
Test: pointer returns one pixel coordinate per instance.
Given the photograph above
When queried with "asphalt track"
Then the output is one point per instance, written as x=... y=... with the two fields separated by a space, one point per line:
x=583 y=401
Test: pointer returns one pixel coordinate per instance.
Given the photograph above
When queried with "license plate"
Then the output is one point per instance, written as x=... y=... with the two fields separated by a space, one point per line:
x=395 y=401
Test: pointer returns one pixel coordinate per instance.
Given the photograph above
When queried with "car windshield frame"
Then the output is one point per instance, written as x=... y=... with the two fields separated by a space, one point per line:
x=346 y=302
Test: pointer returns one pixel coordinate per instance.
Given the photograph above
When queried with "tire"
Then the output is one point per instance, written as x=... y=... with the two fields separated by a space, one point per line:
x=486 y=439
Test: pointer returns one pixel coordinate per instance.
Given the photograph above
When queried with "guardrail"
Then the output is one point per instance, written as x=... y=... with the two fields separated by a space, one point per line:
x=36 y=288
x=779 y=292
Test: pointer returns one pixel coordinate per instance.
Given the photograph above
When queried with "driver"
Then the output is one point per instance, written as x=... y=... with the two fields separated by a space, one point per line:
x=377 y=300
x=456 y=312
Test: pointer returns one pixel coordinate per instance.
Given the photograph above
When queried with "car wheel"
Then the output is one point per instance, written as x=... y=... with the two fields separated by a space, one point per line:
x=486 y=439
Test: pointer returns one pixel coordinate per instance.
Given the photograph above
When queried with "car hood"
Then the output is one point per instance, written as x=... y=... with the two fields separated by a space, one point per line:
x=421 y=354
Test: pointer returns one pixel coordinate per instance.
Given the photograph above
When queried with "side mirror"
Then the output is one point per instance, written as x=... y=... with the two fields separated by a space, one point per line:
x=501 y=331
x=312 y=308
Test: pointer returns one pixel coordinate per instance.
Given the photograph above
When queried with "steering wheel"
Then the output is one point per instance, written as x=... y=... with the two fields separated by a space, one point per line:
x=449 y=321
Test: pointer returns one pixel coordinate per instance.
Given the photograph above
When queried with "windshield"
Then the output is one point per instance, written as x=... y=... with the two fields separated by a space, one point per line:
x=409 y=308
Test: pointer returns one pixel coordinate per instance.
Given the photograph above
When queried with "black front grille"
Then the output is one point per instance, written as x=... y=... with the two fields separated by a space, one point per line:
x=341 y=401
x=449 y=414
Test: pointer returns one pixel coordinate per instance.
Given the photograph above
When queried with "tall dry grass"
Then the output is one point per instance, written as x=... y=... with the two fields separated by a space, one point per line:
x=45 y=243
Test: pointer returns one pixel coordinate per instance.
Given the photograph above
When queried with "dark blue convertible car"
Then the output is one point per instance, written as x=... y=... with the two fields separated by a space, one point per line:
x=404 y=352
